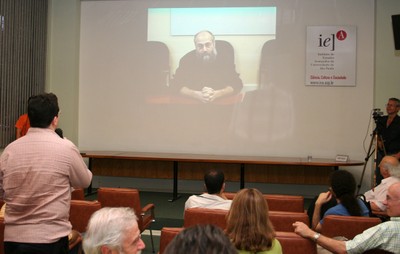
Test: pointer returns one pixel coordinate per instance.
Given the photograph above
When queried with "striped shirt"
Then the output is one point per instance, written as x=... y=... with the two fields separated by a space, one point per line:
x=384 y=236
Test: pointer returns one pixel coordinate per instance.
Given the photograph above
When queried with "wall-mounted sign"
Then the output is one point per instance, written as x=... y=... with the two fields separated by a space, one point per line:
x=331 y=56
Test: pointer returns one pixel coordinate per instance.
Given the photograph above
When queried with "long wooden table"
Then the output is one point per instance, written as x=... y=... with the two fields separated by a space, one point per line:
x=158 y=165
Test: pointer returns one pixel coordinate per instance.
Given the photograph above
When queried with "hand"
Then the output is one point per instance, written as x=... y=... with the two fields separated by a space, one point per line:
x=302 y=229
x=323 y=198
x=208 y=94
x=201 y=96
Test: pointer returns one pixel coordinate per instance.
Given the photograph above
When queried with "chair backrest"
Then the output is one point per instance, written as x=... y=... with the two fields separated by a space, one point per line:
x=225 y=50
x=293 y=244
x=347 y=226
x=277 y=202
x=78 y=194
x=122 y=197
x=283 y=221
x=156 y=64
x=167 y=235
x=194 y=216
x=80 y=213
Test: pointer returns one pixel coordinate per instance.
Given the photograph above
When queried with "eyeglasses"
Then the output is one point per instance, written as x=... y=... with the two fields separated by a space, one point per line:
x=392 y=105
x=137 y=239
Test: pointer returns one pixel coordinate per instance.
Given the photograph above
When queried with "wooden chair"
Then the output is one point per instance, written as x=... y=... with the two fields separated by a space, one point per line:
x=283 y=221
x=347 y=226
x=80 y=213
x=125 y=197
x=277 y=202
x=293 y=244
x=167 y=235
x=194 y=216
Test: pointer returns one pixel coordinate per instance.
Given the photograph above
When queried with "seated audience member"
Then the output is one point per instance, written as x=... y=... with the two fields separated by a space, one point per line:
x=384 y=236
x=342 y=188
x=390 y=170
x=214 y=182
x=113 y=230
x=201 y=239
x=248 y=224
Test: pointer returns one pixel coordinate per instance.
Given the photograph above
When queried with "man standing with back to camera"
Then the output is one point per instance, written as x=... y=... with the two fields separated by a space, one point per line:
x=206 y=73
x=36 y=174
x=388 y=128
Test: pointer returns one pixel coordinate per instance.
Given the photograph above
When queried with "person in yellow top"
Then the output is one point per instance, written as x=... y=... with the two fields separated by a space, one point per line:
x=248 y=224
x=22 y=125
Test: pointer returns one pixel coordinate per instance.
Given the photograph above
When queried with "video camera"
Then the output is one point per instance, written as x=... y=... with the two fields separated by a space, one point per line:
x=377 y=113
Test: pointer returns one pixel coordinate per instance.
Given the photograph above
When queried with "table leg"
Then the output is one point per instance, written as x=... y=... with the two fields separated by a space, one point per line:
x=175 y=195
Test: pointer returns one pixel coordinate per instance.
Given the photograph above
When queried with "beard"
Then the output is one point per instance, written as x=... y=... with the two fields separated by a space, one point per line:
x=207 y=57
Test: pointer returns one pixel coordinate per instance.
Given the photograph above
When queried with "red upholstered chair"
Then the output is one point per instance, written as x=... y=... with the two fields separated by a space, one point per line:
x=347 y=226
x=125 y=197
x=283 y=221
x=167 y=235
x=277 y=202
x=80 y=213
x=194 y=216
x=293 y=244
x=78 y=194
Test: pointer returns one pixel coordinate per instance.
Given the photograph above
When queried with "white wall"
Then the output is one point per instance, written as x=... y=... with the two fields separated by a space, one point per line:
x=372 y=90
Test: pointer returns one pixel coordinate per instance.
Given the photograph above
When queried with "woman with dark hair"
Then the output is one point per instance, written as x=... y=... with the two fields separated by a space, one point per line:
x=343 y=189
x=201 y=239
x=248 y=224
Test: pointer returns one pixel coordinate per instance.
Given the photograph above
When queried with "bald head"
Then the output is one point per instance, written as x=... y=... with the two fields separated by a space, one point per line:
x=205 y=46
x=389 y=166
x=393 y=200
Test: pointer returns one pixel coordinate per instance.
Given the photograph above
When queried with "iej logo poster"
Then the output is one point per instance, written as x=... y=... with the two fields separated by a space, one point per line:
x=331 y=56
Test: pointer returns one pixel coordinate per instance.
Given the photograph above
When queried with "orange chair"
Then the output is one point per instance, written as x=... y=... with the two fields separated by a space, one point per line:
x=347 y=226
x=80 y=213
x=167 y=235
x=293 y=244
x=78 y=194
x=194 y=216
x=277 y=202
x=124 y=197
x=283 y=221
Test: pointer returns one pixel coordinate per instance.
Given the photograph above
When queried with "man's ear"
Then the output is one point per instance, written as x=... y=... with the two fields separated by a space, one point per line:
x=222 y=188
x=54 y=123
x=105 y=250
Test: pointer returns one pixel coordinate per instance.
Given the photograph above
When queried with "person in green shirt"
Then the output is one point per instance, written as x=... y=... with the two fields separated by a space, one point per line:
x=248 y=224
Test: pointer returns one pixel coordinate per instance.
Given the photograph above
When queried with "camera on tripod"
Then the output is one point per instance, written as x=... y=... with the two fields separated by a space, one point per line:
x=377 y=113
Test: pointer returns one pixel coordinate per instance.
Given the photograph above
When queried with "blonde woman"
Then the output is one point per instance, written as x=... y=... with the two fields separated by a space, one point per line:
x=248 y=224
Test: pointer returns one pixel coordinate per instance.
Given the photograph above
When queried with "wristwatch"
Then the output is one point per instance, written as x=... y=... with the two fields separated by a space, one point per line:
x=316 y=236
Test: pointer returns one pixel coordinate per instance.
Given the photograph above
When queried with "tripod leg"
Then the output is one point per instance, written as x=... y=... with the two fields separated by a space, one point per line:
x=366 y=162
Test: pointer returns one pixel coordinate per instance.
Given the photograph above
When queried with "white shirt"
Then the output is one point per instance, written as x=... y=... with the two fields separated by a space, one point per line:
x=210 y=201
x=378 y=194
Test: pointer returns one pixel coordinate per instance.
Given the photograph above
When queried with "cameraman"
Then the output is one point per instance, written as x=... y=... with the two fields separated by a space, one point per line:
x=388 y=128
